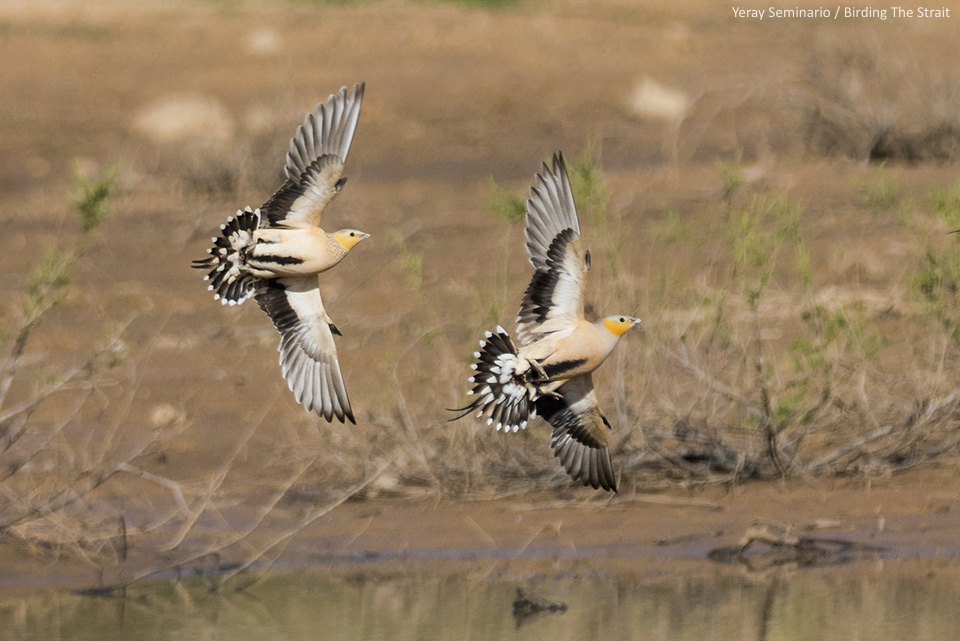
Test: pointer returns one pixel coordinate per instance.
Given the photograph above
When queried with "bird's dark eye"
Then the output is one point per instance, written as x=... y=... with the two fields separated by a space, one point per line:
x=623 y=320
x=352 y=234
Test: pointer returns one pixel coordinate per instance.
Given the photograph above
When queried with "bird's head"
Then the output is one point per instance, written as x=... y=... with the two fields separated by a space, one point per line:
x=349 y=237
x=620 y=325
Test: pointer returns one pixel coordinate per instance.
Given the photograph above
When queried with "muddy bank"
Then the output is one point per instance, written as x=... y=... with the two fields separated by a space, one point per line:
x=894 y=519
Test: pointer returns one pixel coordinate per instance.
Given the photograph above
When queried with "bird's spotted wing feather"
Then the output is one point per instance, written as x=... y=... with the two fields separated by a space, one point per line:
x=554 y=299
x=579 y=439
x=308 y=354
x=315 y=161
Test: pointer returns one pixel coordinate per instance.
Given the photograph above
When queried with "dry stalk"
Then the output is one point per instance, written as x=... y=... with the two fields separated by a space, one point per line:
x=213 y=486
x=282 y=539
x=704 y=377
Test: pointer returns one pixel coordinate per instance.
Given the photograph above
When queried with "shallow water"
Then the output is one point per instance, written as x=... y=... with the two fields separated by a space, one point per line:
x=869 y=601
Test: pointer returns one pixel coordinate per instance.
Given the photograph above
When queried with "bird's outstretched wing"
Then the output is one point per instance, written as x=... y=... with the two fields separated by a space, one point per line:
x=315 y=161
x=308 y=355
x=554 y=299
x=579 y=439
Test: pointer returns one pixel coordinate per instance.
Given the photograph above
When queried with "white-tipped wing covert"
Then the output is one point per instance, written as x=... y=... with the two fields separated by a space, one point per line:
x=315 y=161
x=554 y=299
x=308 y=355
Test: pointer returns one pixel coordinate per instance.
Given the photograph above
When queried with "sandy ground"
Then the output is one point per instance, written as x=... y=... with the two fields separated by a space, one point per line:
x=455 y=95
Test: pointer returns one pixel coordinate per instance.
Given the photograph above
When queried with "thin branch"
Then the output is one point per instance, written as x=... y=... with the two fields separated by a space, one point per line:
x=310 y=517
x=87 y=369
x=842 y=451
x=173 y=486
x=12 y=363
x=717 y=386
x=928 y=455
x=215 y=484
x=65 y=420
x=236 y=537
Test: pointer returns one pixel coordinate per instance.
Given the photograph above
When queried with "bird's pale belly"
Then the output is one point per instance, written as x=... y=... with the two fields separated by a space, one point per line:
x=581 y=352
x=281 y=253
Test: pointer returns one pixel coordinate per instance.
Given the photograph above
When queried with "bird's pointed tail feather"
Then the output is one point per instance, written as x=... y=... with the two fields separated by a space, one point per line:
x=230 y=284
x=502 y=384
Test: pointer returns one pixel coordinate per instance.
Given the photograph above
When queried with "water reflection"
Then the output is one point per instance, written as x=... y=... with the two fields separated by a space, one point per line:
x=896 y=602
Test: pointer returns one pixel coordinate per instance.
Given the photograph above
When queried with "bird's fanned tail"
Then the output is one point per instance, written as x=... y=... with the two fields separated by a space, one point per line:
x=504 y=384
x=230 y=284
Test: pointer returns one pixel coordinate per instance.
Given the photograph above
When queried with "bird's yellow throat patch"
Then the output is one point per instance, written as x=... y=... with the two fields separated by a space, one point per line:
x=348 y=239
x=617 y=328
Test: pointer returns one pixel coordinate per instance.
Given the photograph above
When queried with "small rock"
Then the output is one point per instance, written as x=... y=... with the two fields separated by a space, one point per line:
x=183 y=118
x=165 y=414
x=652 y=101
x=825 y=524
x=386 y=482
x=264 y=42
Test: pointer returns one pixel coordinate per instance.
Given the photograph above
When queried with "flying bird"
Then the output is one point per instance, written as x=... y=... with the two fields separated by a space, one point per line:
x=550 y=373
x=275 y=253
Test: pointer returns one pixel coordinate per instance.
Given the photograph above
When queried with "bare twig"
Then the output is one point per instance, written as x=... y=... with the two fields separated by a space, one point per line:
x=310 y=517
x=173 y=486
x=842 y=451
x=719 y=387
x=193 y=515
x=930 y=454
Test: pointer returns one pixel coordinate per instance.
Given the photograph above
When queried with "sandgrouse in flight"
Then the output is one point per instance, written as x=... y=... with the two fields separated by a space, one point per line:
x=550 y=374
x=275 y=253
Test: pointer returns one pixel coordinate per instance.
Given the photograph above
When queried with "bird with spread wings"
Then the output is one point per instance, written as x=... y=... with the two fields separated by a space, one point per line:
x=275 y=253
x=550 y=374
